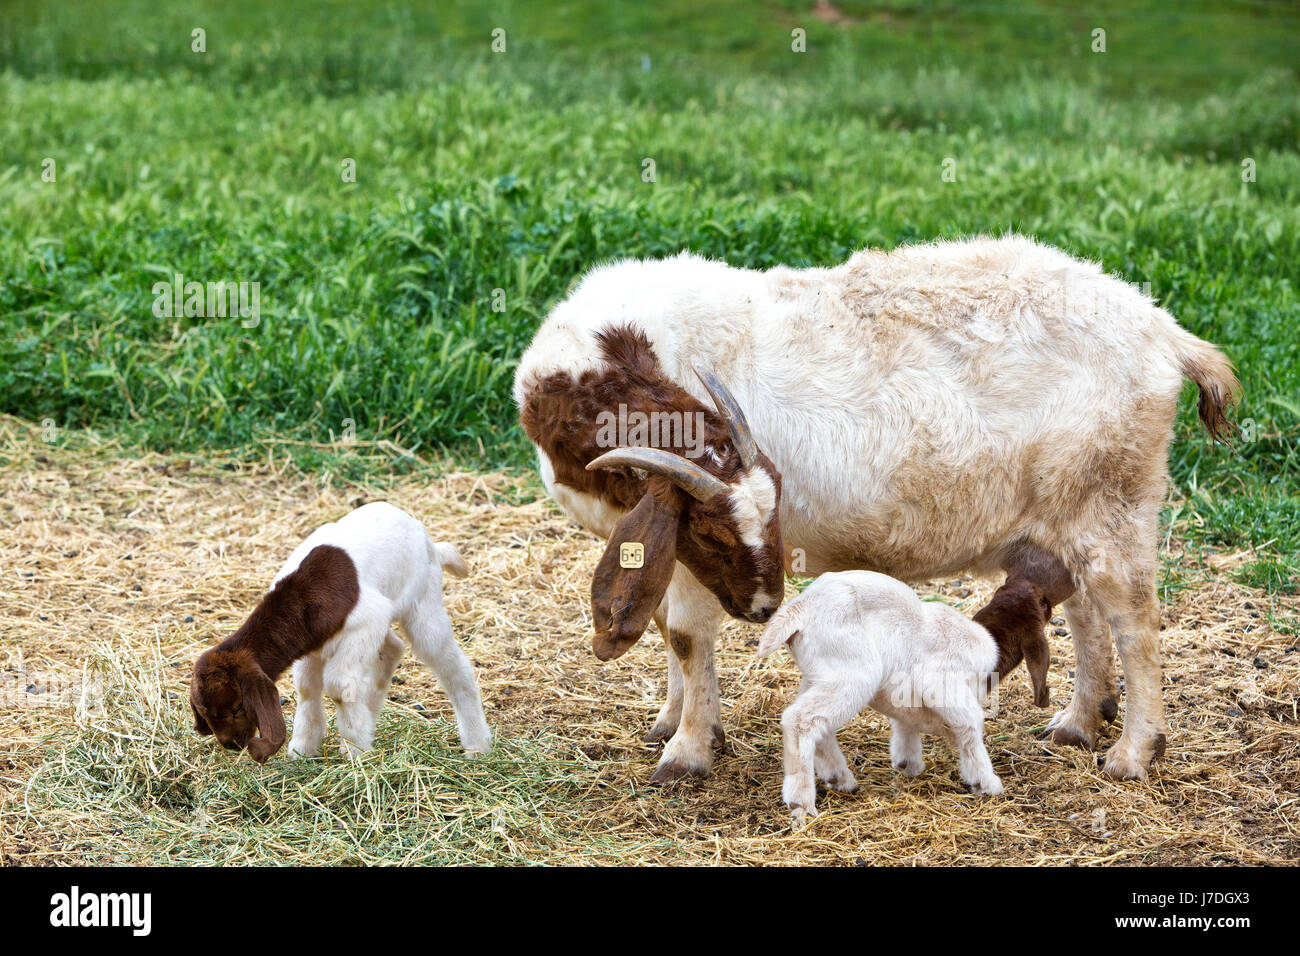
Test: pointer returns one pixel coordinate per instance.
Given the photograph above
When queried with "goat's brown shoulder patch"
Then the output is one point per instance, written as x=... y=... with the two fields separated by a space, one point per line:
x=305 y=609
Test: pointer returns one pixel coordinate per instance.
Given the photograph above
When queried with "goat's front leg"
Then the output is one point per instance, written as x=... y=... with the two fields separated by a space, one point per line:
x=905 y=748
x=309 y=718
x=670 y=715
x=690 y=751
x=693 y=617
x=356 y=722
x=831 y=766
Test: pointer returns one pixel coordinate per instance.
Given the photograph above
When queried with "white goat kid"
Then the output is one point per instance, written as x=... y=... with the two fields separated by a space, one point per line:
x=399 y=572
x=865 y=639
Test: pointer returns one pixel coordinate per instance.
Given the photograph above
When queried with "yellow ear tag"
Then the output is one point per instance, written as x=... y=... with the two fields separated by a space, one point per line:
x=631 y=554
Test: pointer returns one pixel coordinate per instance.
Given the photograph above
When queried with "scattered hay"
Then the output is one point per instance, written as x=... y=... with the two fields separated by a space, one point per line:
x=120 y=568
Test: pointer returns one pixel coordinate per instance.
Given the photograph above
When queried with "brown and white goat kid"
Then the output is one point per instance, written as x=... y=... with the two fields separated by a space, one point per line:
x=865 y=639
x=329 y=613
x=921 y=412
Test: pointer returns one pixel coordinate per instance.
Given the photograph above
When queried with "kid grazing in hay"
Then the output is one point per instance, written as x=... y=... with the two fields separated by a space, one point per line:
x=329 y=613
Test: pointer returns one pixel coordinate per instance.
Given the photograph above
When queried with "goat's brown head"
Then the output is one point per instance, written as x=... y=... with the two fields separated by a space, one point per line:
x=1017 y=617
x=232 y=699
x=726 y=530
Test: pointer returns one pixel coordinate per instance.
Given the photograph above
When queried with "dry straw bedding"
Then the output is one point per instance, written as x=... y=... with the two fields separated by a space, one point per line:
x=118 y=569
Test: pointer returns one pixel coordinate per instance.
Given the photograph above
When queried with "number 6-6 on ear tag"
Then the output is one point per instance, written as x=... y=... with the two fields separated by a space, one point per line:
x=631 y=554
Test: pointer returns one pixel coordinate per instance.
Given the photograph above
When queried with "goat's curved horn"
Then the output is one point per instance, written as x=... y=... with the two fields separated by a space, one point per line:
x=686 y=475
x=730 y=411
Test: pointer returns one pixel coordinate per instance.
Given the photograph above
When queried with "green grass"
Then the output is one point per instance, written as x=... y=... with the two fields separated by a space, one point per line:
x=516 y=172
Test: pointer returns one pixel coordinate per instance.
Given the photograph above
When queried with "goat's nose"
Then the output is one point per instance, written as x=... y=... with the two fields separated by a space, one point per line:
x=763 y=616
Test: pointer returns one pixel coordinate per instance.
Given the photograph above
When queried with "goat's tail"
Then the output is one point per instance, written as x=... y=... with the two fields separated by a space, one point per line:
x=448 y=558
x=785 y=624
x=1213 y=374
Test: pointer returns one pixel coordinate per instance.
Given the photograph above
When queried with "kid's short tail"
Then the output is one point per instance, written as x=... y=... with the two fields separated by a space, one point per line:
x=448 y=557
x=784 y=625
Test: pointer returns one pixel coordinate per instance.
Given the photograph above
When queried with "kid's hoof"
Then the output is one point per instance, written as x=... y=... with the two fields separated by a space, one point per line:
x=987 y=788
x=799 y=816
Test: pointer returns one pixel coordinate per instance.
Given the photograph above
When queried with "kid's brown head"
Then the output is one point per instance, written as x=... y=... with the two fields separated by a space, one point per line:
x=232 y=699
x=1017 y=617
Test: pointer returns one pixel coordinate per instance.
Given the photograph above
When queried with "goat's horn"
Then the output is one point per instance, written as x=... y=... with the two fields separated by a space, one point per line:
x=686 y=475
x=730 y=411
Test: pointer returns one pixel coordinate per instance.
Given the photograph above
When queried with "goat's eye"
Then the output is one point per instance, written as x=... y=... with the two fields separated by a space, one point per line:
x=237 y=710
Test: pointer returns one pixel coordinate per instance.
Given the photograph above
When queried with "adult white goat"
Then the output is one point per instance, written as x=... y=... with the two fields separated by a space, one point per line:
x=926 y=411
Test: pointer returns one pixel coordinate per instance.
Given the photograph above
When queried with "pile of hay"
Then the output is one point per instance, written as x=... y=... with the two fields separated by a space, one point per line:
x=119 y=569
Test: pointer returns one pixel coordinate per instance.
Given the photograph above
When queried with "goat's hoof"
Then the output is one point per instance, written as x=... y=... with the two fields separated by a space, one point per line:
x=846 y=783
x=671 y=770
x=1070 y=737
x=1127 y=762
x=910 y=768
x=799 y=816
x=1064 y=731
x=719 y=740
x=657 y=733
x=987 y=788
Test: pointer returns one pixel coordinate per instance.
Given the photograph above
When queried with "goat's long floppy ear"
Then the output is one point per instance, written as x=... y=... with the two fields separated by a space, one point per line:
x=623 y=599
x=1037 y=657
x=260 y=694
x=200 y=725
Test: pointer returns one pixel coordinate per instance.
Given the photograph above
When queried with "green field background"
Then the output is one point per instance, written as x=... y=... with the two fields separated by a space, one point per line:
x=516 y=171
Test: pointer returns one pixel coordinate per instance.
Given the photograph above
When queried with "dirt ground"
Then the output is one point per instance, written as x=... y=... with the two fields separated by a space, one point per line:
x=99 y=543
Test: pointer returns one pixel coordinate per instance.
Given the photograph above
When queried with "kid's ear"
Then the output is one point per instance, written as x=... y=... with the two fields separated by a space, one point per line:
x=633 y=573
x=1037 y=657
x=200 y=725
x=263 y=699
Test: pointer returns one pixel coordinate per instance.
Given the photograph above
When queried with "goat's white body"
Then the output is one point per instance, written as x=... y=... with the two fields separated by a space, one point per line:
x=929 y=409
x=865 y=639
x=400 y=574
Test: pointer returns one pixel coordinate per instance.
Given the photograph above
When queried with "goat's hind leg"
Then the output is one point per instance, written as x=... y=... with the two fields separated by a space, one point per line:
x=433 y=642
x=806 y=726
x=1093 y=700
x=1127 y=599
